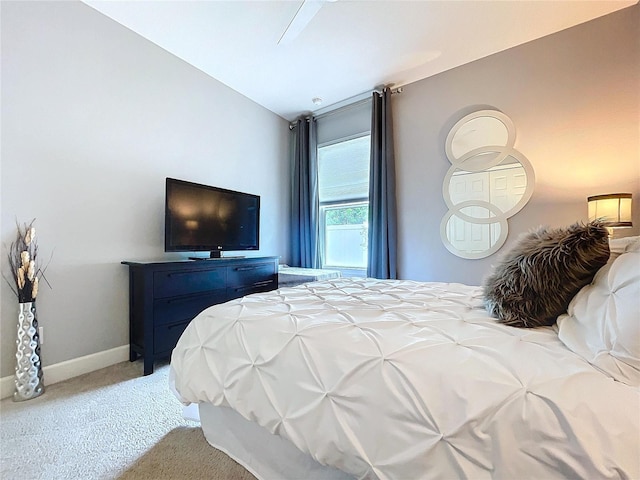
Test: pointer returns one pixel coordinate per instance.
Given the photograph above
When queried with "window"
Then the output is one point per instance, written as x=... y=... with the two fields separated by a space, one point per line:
x=343 y=184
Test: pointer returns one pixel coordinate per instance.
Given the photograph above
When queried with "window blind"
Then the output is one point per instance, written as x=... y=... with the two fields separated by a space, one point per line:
x=343 y=170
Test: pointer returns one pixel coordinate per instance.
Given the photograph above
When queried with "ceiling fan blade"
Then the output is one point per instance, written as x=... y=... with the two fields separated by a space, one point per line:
x=300 y=20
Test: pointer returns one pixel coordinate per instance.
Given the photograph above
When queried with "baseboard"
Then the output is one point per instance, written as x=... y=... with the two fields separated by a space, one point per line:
x=72 y=368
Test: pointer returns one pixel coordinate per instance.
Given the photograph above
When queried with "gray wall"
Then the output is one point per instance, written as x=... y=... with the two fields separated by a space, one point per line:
x=575 y=102
x=94 y=118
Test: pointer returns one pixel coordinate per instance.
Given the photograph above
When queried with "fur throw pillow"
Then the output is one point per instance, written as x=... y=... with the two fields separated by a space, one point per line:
x=535 y=281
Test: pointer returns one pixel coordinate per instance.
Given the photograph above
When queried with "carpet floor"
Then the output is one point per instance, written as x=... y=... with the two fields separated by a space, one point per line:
x=113 y=423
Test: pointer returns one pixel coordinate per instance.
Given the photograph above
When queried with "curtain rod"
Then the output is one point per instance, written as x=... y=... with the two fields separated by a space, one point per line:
x=342 y=108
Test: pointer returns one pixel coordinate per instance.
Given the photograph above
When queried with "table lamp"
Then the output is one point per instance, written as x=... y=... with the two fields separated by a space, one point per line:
x=613 y=209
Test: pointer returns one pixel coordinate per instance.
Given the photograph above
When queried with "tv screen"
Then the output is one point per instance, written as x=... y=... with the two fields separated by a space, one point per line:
x=205 y=218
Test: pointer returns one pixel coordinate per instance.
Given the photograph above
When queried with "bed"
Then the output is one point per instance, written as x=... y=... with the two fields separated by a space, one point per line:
x=398 y=379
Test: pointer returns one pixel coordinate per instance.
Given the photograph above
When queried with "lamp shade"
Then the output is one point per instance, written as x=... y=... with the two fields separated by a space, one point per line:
x=613 y=209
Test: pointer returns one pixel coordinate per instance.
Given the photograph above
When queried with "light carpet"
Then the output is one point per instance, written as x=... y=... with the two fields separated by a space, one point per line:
x=110 y=424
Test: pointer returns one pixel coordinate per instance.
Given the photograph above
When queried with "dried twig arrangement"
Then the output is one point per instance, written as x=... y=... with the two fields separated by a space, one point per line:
x=24 y=263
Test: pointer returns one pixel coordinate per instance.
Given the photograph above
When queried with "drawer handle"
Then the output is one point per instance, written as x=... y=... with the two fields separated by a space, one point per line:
x=245 y=269
x=179 y=274
x=175 y=326
x=254 y=285
x=177 y=300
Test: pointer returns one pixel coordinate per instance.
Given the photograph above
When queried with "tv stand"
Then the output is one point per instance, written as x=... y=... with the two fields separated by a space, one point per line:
x=165 y=296
x=213 y=254
x=215 y=258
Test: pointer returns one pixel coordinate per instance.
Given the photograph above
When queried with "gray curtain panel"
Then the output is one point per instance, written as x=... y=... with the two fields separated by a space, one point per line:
x=382 y=252
x=305 y=204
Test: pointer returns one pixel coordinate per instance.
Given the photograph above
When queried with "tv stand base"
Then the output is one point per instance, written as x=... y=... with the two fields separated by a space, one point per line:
x=216 y=258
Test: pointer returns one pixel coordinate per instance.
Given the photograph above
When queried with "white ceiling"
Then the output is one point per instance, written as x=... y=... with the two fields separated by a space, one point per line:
x=348 y=47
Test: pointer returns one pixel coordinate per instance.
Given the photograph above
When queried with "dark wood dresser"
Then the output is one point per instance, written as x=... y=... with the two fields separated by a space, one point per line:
x=165 y=296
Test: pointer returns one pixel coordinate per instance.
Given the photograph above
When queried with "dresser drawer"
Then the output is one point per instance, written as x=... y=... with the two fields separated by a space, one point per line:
x=183 y=309
x=165 y=337
x=173 y=284
x=247 y=275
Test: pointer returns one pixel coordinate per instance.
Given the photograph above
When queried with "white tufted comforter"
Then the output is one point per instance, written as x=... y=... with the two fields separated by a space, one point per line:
x=408 y=380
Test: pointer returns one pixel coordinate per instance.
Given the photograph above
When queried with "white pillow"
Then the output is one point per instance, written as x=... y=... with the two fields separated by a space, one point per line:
x=621 y=245
x=602 y=323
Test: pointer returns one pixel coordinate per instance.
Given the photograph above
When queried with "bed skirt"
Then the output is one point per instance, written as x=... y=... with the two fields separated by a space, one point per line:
x=265 y=455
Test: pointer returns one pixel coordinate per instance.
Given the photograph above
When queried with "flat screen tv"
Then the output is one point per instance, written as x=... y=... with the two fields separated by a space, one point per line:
x=204 y=218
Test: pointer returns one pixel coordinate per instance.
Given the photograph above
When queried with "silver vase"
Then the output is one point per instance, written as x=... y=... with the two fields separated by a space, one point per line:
x=29 y=382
